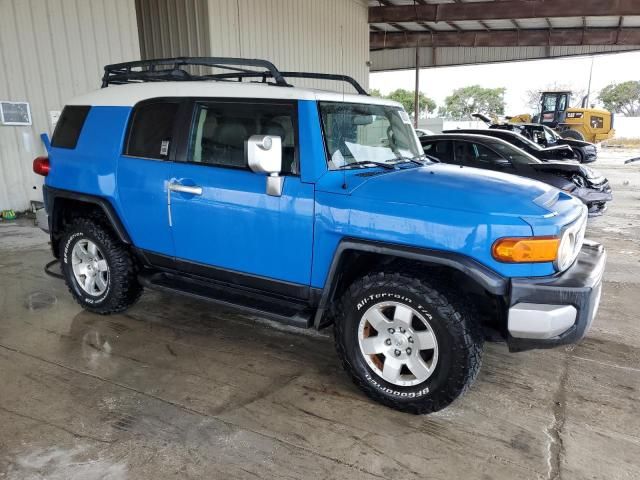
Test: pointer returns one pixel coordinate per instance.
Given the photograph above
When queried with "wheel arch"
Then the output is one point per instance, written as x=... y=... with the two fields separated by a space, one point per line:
x=62 y=205
x=354 y=257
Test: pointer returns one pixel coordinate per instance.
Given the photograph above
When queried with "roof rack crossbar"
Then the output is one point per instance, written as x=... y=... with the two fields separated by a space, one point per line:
x=311 y=75
x=122 y=70
x=121 y=73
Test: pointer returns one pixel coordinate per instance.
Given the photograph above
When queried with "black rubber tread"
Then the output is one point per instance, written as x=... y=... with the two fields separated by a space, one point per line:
x=465 y=331
x=124 y=289
x=572 y=134
x=579 y=155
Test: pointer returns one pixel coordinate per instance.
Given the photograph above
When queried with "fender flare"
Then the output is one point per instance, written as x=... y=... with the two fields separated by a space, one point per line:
x=484 y=276
x=52 y=194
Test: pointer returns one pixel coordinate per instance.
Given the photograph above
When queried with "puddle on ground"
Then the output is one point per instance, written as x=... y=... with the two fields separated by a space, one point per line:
x=40 y=300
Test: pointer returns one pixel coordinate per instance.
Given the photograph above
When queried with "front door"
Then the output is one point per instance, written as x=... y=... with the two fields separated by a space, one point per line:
x=225 y=225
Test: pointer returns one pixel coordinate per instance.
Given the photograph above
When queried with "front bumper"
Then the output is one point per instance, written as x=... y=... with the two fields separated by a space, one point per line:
x=595 y=198
x=589 y=155
x=557 y=310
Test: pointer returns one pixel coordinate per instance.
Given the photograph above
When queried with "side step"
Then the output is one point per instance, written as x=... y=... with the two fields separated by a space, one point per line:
x=287 y=311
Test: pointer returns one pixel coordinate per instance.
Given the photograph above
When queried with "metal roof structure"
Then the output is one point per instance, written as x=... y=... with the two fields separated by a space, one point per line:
x=457 y=32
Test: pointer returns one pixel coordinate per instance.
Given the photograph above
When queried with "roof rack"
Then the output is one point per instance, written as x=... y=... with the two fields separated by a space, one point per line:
x=170 y=69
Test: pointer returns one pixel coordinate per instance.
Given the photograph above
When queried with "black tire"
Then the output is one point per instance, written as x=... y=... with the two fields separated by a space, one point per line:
x=579 y=155
x=459 y=339
x=572 y=134
x=123 y=289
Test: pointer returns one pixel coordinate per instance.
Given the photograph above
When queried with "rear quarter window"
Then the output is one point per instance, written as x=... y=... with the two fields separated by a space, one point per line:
x=69 y=126
x=151 y=130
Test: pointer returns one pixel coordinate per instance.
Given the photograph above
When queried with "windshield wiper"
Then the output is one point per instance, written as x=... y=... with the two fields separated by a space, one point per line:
x=412 y=159
x=388 y=166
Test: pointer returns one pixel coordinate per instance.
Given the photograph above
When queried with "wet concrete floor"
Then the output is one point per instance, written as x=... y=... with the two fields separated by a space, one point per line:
x=177 y=388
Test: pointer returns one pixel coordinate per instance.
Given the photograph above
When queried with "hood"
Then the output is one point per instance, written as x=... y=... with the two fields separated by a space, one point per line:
x=574 y=143
x=555 y=148
x=461 y=188
x=557 y=152
x=570 y=168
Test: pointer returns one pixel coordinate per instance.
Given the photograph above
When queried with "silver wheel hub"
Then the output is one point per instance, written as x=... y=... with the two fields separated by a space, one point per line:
x=90 y=267
x=398 y=343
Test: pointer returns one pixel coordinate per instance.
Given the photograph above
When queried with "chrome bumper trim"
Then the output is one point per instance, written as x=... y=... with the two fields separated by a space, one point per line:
x=540 y=321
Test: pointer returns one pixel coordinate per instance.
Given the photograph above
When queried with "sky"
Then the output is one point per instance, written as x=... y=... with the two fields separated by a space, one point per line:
x=516 y=77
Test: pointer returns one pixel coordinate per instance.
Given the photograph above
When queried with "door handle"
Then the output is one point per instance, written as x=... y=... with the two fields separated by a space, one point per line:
x=178 y=187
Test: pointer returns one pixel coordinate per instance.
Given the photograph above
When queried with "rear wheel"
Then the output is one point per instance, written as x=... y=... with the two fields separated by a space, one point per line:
x=98 y=269
x=572 y=134
x=405 y=344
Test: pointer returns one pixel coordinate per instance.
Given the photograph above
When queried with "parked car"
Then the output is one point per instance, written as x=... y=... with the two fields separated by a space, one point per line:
x=312 y=208
x=558 y=152
x=488 y=152
x=423 y=132
x=585 y=152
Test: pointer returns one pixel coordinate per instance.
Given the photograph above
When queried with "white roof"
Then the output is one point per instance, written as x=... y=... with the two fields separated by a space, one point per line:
x=130 y=94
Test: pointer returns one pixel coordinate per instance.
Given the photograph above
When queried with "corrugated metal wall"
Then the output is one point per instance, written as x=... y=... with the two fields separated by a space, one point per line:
x=328 y=36
x=404 y=58
x=51 y=51
x=170 y=28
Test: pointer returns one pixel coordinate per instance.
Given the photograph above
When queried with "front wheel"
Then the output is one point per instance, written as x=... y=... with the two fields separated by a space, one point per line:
x=98 y=269
x=579 y=155
x=404 y=344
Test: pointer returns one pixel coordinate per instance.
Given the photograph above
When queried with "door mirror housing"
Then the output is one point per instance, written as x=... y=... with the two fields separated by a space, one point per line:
x=264 y=155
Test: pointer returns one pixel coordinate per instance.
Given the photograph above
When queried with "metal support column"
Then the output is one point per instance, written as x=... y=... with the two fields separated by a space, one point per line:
x=416 y=108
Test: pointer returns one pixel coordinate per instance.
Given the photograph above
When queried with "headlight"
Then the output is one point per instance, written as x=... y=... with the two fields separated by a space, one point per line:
x=565 y=251
x=579 y=181
x=571 y=242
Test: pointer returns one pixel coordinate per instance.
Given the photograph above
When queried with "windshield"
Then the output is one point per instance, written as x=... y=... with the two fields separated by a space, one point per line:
x=528 y=142
x=552 y=136
x=513 y=154
x=358 y=133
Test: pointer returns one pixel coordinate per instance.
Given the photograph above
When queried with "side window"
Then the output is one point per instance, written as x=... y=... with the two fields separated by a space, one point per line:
x=550 y=102
x=220 y=131
x=442 y=150
x=477 y=155
x=151 y=130
x=597 y=122
x=69 y=126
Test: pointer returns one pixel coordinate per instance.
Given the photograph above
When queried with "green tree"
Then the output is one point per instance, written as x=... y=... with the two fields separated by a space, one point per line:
x=407 y=99
x=473 y=99
x=622 y=98
x=374 y=92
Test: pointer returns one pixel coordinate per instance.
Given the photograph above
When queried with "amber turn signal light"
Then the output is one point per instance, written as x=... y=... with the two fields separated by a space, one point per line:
x=526 y=249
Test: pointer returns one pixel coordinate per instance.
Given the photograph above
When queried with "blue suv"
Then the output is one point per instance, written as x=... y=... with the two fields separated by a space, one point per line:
x=313 y=208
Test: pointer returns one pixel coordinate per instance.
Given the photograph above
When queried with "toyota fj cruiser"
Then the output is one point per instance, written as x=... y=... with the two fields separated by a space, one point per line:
x=314 y=208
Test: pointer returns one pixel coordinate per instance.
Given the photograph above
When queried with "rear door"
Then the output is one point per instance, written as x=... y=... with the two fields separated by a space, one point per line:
x=227 y=226
x=472 y=154
x=440 y=149
x=143 y=172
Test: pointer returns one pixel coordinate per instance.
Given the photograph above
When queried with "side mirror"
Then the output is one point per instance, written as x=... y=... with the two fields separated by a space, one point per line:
x=264 y=155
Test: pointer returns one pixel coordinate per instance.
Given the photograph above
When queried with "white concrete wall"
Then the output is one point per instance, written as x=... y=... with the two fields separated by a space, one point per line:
x=627 y=127
x=327 y=36
x=50 y=51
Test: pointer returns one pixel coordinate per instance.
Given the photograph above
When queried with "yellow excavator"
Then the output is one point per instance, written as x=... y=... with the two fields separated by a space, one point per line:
x=590 y=124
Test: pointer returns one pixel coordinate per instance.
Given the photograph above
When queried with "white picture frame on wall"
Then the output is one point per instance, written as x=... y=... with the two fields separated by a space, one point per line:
x=15 y=113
